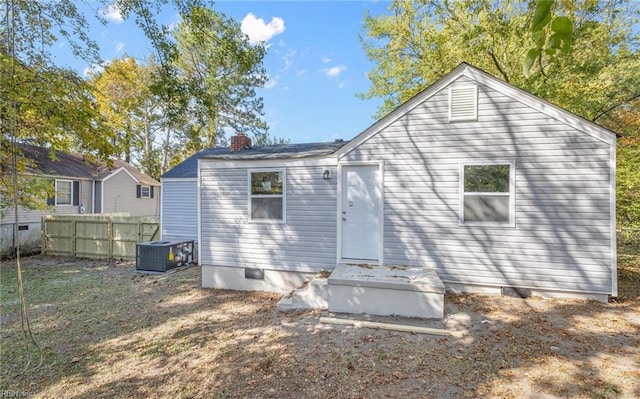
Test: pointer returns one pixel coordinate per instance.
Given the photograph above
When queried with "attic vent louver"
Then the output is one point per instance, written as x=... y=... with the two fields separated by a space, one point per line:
x=463 y=103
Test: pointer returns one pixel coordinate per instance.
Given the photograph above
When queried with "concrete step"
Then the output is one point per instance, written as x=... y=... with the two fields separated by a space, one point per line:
x=386 y=290
x=314 y=294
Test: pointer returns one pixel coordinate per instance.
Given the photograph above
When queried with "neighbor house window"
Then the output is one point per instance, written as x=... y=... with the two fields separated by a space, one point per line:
x=144 y=191
x=487 y=191
x=266 y=195
x=64 y=192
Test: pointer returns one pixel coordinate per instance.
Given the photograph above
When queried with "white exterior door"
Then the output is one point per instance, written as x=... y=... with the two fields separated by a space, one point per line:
x=361 y=212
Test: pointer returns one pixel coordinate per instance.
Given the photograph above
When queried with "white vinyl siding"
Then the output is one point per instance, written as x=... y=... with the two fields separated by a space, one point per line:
x=562 y=238
x=180 y=209
x=306 y=242
x=35 y=215
x=119 y=195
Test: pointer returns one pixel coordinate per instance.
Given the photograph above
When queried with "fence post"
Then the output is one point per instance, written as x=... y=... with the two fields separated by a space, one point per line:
x=43 y=236
x=110 y=238
x=73 y=237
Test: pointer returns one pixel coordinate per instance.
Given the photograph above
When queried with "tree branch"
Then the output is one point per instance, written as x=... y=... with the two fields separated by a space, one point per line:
x=606 y=111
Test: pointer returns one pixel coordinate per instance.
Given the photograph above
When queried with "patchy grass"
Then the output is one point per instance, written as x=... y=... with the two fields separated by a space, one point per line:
x=107 y=332
x=628 y=271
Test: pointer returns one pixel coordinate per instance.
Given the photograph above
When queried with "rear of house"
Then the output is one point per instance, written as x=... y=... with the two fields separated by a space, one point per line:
x=487 y=185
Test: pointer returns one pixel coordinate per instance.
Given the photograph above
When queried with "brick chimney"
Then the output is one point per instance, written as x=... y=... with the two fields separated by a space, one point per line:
x=240 y=142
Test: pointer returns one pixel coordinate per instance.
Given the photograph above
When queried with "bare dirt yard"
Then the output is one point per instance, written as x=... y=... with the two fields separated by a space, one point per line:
x=106 y=331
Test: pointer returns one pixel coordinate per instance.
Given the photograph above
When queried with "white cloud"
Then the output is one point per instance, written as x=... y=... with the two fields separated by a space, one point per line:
x=92 y=70
x=335 y=71
x=60 y=44
x=300 y=72
x=174 y=24
x=341 y=85
x=288 y=59
x=112 y=13
x=325 y=60
x=259 y=31
x=271 y=83
x=119 y=46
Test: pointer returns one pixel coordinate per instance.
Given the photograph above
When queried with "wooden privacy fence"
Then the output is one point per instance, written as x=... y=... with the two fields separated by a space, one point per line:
x=97 y=236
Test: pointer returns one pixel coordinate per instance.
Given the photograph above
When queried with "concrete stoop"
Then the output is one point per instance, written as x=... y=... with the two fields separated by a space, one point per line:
x=377 y=290
x=386 y=290
x=313 y=294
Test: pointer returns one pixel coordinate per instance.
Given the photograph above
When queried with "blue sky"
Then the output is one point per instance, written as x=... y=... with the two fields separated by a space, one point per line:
x=315 y=61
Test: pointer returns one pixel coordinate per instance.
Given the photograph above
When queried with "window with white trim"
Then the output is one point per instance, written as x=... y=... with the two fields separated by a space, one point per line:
x=487 y=193
x=267 y=195
x=145 y=192
x=64 y=192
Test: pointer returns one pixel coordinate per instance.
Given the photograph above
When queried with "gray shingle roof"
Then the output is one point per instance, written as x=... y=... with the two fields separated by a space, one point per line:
x=73 y=164
x=188 y=167
x=65 y=163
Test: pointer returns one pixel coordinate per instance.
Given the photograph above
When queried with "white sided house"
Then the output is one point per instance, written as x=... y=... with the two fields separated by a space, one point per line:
x=485 y=186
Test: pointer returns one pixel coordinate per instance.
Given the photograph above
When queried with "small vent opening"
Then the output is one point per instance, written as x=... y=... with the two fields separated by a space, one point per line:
x=463 y=103
x=253 y=273
x=516 y=292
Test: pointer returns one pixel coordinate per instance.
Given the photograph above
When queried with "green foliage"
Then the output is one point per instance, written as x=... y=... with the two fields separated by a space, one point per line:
x=628 y=182
x=132 y=112
x=549 y=33
x=264 y=138
x=31 y=191
x=417 y=42
x=580 y=54
x=218 y=71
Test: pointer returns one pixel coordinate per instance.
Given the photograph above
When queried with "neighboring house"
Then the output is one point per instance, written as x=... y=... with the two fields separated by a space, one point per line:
x=490 y=186
x=81 y=186
x=122 y=188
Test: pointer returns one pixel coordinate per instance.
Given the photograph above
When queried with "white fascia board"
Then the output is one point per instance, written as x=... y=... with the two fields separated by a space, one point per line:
x=266 y=163
x=58 y=177
x=612 y=212
x=115 y=172
x=177 y=179
x=543 y=106
x=199 y=210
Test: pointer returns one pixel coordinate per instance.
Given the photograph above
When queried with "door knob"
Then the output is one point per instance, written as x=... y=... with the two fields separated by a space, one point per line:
x=344 y=218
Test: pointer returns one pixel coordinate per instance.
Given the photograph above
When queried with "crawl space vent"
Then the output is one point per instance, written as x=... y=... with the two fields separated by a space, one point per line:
x=516 y=292
x=463 y=103
x=253 y=273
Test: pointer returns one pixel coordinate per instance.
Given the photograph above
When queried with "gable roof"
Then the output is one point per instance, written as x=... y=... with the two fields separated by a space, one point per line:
x=118 y=165
x=482 y=77
x=189 y=167
x=75 y=165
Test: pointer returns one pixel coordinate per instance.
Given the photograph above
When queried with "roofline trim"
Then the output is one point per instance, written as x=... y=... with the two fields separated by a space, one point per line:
x=464 y=69
x=170 y=179
x=115 y=172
